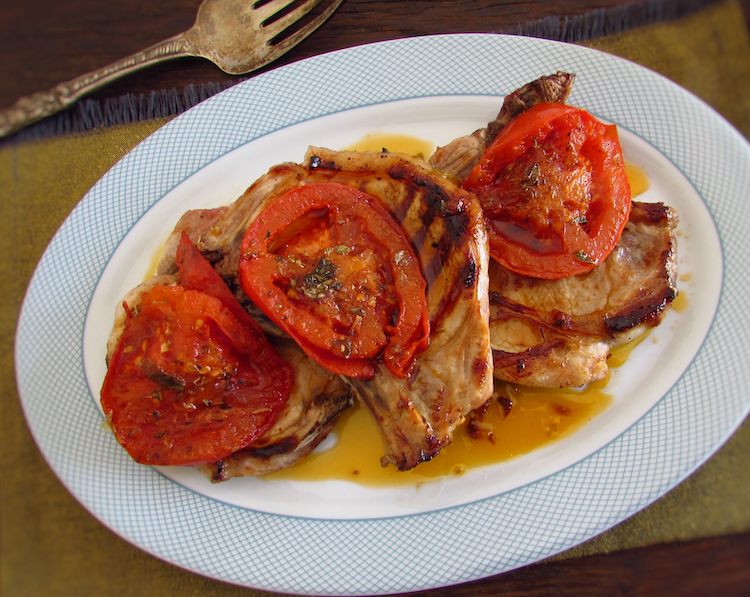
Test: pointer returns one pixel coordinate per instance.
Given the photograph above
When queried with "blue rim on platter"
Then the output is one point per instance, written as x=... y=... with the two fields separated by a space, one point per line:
x=400 y=553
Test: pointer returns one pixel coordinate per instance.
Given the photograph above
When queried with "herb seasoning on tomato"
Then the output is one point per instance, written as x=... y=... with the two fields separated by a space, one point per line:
x=192 y=379
x=329 y=265
x=554 y=192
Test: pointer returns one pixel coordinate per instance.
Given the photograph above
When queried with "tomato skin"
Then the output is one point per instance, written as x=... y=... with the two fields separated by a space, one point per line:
x=554 y=192
x=328 y=264
x=190 y=381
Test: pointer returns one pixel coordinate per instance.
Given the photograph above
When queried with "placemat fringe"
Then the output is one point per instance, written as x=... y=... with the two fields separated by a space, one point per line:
x=89 y=114
x=606 y=21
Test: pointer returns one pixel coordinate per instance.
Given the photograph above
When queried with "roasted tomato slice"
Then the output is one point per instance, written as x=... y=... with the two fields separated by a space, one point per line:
x=196 y=273
x=554 y=192
x=329 y=265
x=190 y=382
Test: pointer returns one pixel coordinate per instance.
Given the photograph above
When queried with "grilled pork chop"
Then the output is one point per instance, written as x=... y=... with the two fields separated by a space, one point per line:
x=452 y=376
x=557 y=333
x=315 y=402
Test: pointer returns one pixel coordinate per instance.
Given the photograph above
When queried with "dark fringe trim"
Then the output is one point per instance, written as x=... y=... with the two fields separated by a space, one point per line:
x=90 y=114
x=606 y=21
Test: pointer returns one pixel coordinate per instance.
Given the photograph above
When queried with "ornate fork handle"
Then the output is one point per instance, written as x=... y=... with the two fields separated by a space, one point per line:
x=36 y=106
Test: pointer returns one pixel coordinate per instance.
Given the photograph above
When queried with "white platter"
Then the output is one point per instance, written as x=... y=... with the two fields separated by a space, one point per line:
x=341 y=538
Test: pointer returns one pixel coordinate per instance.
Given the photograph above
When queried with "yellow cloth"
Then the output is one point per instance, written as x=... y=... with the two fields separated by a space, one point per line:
x=50 y=545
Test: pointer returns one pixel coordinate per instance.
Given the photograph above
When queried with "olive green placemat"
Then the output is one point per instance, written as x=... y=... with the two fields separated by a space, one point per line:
x=50 y=545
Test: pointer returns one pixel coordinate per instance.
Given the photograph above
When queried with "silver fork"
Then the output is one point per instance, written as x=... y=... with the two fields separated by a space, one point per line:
x=239 y=36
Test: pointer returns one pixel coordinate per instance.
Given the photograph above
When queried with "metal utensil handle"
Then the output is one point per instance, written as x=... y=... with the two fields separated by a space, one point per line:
x=36 y=106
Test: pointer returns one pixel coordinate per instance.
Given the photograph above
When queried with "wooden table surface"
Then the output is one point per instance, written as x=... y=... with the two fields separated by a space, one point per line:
x=46 y=42
x=66 y=39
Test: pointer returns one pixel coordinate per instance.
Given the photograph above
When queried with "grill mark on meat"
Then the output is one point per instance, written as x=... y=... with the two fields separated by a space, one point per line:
x=502 y=358
x=456 y=224
x=469 y=276
x=419 y=239
x=433 y=209
x=434 y=268
x=438 y=204
x=465 y=281
x=401 y=209
x=433 y=188
x=454 y=229
x=640 y=312
x=555 y=321
x=648 y=306
x=427 y=240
